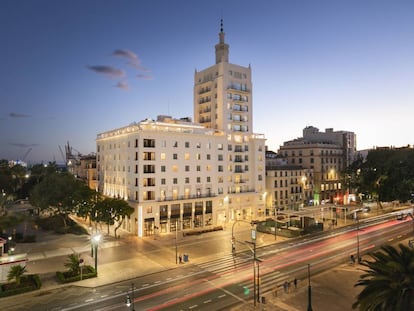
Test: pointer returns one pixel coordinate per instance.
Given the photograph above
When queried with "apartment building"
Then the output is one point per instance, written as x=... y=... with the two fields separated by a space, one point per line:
x=184 y=175
x=327 y=154
x=289 y=187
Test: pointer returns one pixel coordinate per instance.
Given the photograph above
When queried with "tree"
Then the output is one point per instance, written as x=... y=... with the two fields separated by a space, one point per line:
x=388 y=282
x=73 y=264
x=61 y=194
x=15 y=273
x=112 y=211
x=386 y=174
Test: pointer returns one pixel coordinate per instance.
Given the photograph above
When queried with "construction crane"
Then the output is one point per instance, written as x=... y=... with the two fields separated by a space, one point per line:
x=62 y=154
x=26 y=154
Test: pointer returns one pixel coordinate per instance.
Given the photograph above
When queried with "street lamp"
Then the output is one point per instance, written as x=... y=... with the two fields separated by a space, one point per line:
x=309 y=291
x=275 y=222
x=130 y=299
x=95 y=242
x=358 y=258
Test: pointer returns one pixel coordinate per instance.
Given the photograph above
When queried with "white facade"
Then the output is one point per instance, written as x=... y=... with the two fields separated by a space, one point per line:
x=180 y=175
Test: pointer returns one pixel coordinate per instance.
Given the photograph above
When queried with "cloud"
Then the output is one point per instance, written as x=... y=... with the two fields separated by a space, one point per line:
x=144 y=77
x=18 y=115
x=133 y=58
x=123 y=85
x=108 y=70
x=127 y=54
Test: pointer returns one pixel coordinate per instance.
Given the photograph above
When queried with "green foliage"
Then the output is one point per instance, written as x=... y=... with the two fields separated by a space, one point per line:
x=61 y=194
x=111 y=211
x=66 y=277
x=15 y=273
x=386 y=175
x=73 y=264
x=389 y=280
x=28 y=283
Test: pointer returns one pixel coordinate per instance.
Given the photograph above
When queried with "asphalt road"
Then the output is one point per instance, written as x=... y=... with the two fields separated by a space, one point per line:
x=220 y=283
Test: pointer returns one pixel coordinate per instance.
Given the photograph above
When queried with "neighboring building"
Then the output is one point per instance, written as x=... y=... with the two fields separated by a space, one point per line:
x=85 y=169
x=327 y=154
x=289 y=187
x=182 y=175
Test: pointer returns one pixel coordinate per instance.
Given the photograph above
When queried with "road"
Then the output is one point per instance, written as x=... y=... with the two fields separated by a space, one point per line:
x=221 y=284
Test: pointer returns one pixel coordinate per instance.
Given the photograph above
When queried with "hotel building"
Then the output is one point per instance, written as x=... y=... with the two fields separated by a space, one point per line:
x=183 y=175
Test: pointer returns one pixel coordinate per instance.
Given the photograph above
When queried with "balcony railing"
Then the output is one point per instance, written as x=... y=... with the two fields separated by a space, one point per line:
x=186 y=197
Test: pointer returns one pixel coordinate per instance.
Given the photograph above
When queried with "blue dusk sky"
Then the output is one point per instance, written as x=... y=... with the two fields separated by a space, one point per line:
x=73 y=69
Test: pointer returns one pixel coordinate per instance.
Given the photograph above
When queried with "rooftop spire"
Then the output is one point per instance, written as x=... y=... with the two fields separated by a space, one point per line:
x=222 y=49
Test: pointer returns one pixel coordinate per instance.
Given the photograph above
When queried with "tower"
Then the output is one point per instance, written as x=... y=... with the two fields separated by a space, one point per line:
x=223 y=94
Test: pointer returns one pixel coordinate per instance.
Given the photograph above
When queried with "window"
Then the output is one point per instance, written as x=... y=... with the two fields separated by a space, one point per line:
x=220 y=157
x=198 y=168
x=187 y=156
x=175 y=181
x=187 y=144
x=163 y=156
x=149 y=143
x=220 y=168
x=162 y=168
x=208 y=156
x=175 y=156
x=198 y=179
x=149 y=169
x=175 y=168
x=187 y=180
x=208 y=179
x=198 y=156
x=162 y=181
x=187 y=168
x=220 y=146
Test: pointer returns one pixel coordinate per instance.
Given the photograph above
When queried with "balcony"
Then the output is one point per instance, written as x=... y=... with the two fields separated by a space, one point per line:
x=186 y=197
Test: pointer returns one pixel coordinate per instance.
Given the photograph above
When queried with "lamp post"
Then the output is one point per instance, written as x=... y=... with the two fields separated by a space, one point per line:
x=253 y=242
x=130 y=299
x=358 y=257
x=176 y=237
x=95 y=241
x=309 y=291
x=275 y=222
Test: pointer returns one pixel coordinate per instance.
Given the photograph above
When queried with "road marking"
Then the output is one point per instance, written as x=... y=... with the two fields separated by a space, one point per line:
x=89 y=300
x=103 y=296
x=207 y=301
x=192 y=307
x=144 y=285
x=222 y=296
x=156 y=282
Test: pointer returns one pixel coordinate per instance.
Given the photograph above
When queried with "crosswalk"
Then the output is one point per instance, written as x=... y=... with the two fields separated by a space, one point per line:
x=240 y=266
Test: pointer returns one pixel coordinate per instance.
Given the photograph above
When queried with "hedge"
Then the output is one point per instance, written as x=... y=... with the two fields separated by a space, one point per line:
x=28 y=283
x=68 y=277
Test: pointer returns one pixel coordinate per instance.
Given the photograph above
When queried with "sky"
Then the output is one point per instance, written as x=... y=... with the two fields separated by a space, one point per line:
x=70 y=70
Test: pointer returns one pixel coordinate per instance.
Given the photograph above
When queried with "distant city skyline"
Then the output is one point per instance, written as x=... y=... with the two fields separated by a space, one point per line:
x=73 y=69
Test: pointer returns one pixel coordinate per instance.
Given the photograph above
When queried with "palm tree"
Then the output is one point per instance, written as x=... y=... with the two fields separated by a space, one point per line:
x=389 y=281
x=73 y=264
x=15 y=273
